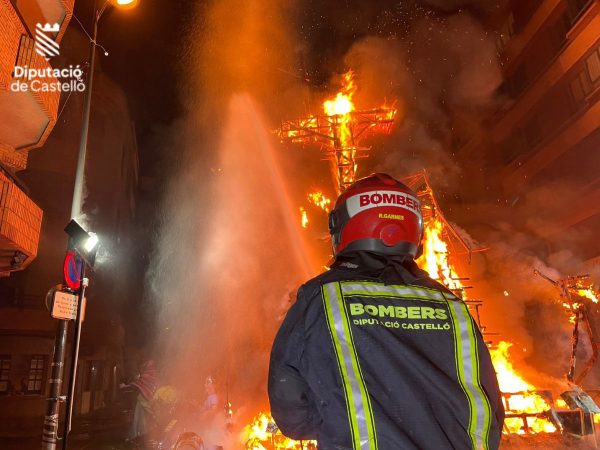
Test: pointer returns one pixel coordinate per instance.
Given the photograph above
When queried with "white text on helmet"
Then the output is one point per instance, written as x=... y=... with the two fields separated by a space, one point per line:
x=368 y=200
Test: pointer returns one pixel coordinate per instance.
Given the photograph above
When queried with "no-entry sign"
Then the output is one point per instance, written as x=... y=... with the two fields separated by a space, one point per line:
x=72 y=270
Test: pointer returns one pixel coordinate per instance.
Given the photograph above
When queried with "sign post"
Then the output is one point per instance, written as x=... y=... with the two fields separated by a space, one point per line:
x=67 y=303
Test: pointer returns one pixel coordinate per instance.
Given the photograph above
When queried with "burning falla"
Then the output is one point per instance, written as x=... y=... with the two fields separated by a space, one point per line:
x=263 y=434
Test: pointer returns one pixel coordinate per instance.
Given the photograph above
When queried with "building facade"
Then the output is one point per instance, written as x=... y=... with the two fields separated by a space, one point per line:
x=27 y=119
x=547 y=134
x=47 y=175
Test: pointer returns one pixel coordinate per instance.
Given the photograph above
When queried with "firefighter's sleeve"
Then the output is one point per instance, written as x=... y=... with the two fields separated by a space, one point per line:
x=489 y=382
x=292 y=404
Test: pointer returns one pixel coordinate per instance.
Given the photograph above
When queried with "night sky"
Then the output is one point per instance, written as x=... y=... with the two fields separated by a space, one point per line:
x=148 y=47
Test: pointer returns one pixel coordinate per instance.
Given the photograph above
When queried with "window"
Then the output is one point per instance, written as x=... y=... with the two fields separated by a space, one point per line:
x=584 y=82
x=4 y=374
x=37 y=368
x=593 y=66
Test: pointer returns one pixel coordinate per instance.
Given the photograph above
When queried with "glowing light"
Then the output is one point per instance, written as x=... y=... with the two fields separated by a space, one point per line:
x=261 y=434
x=125 y=4
x=523 y=400
x=91 y=242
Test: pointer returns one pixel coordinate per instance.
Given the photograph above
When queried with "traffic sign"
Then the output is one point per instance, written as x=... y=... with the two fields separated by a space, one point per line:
x=72 y=270
x=64 y=306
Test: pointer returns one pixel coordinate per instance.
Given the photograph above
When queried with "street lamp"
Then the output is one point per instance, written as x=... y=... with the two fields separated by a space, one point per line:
x=83 y=243
x=125 y=4
x=80 y=172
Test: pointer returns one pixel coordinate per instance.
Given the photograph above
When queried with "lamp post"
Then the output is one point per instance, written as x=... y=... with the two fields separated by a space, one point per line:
x=50 y=432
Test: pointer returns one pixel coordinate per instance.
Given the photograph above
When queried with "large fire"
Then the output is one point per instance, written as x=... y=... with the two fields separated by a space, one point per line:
x=520 y=399
x=338 y=133
x=262 y=434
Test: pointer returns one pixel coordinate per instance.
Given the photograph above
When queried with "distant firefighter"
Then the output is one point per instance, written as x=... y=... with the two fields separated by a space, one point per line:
x=374 y=354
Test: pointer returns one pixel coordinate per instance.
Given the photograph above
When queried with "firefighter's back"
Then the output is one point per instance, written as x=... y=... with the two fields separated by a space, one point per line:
x=396 y=364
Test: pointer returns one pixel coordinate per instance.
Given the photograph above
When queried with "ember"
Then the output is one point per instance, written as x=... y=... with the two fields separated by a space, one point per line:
x=318 y=199
x=303 y=217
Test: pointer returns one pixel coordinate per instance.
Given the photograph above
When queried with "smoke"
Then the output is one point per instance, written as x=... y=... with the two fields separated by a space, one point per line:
x=445 y=68
x=444 y=73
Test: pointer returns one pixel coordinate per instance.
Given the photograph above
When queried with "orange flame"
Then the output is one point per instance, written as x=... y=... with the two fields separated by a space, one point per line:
x=303 y=217
x=435 y=257
x=573 y=307
x=341 y=107
x=257 y=436
x=435 y=261
x=524 y=400
x=588 y=293
x=318 y=199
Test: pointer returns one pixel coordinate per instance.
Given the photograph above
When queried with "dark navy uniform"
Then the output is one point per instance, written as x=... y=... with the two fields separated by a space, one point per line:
x=376 y=355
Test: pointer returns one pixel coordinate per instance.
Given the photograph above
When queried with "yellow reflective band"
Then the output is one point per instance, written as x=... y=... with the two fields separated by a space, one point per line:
x=380 y=289
x=467 y=366
x=358 y=400
x=338 y=353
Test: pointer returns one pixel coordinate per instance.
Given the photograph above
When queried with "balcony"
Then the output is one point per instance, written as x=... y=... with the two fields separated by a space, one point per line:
x=27 y=117
x=20 y=224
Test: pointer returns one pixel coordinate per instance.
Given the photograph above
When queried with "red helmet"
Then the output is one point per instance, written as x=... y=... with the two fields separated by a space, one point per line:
x=377 y=214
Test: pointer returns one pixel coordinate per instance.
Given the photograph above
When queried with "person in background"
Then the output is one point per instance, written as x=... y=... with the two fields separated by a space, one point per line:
x=212 y=398
x=145 y=385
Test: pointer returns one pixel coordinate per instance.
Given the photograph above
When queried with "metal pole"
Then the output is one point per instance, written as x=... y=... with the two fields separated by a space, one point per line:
x=74 y=359
x=85 y=126
x=50 y=433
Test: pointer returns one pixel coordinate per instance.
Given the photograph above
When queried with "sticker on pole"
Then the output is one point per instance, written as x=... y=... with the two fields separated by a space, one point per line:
x=72 y=269
x=64 y=306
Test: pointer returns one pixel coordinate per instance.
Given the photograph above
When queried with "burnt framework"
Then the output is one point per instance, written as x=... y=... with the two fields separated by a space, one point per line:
x=339 y=137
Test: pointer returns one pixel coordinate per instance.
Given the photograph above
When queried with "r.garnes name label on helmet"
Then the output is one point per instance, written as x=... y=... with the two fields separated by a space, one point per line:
x=376 y=199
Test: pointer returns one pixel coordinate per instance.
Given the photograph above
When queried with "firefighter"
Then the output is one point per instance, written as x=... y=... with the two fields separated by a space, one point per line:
x=374 y=354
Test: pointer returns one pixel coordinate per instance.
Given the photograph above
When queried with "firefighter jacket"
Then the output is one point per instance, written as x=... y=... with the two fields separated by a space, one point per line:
x=376 y=355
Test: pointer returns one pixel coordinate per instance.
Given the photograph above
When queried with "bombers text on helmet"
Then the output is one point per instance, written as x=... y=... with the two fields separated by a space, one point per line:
x=378 y=214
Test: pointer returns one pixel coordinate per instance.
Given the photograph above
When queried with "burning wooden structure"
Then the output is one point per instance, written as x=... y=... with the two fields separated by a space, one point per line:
x=340 y=131
x=530 y=413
